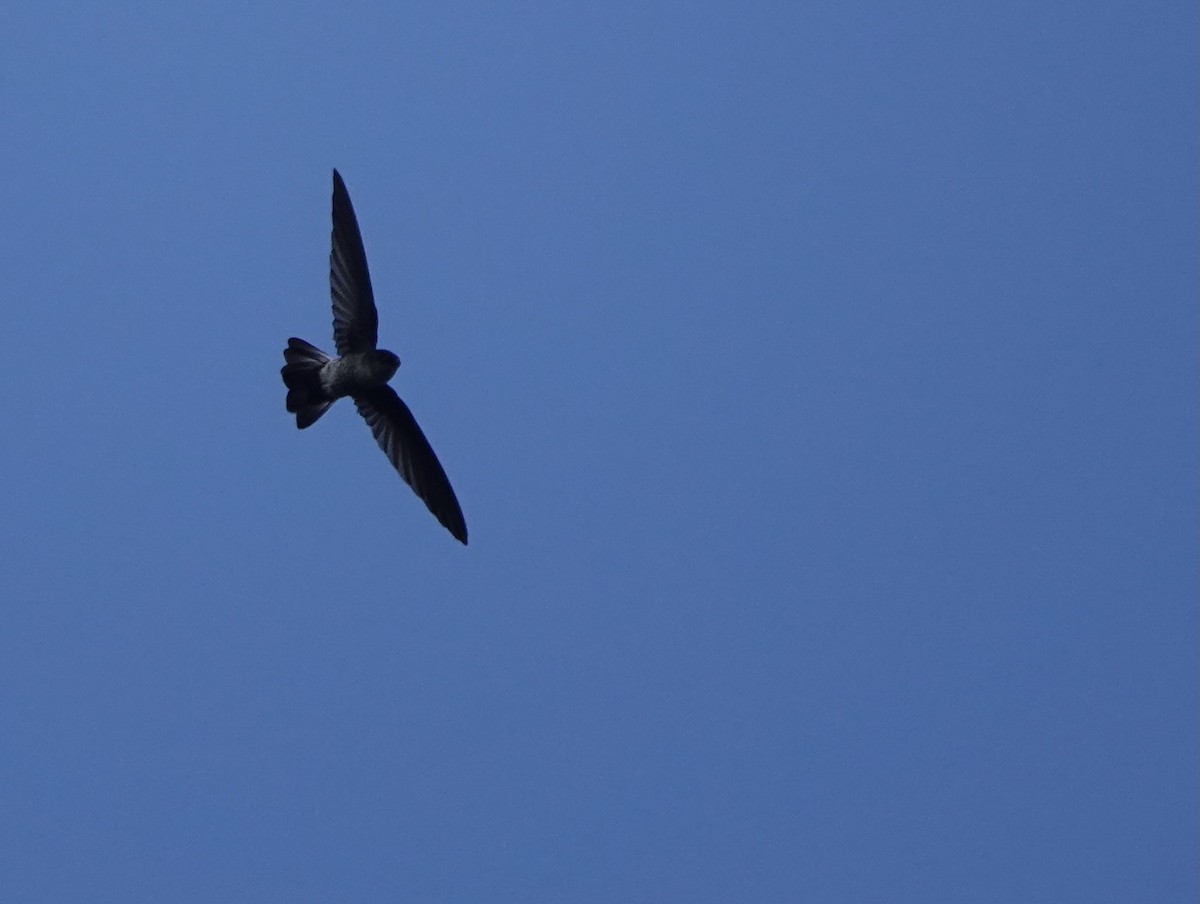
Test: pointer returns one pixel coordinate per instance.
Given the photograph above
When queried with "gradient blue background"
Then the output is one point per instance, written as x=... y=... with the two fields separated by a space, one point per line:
x=819 y=381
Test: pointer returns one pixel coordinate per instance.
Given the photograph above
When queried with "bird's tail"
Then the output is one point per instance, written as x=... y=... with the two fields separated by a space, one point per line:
x=302 y=376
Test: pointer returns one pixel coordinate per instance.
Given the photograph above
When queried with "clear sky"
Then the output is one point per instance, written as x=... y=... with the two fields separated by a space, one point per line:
x=819 y=382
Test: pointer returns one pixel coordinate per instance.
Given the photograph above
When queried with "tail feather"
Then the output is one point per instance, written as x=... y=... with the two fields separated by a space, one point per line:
x=302 y=376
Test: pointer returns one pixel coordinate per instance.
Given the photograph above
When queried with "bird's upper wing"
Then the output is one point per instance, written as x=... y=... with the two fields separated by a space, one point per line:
x=355 y=321
x=398 y=435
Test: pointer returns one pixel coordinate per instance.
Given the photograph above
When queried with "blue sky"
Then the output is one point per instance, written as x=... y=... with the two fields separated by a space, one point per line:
x=819 y=382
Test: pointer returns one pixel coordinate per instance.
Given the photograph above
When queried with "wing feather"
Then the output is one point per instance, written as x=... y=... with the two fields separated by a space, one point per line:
x=355 y=320
x=408 y=450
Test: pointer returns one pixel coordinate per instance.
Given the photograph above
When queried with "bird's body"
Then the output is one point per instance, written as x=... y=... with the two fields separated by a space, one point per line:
x=357 y=372
x=316 y=380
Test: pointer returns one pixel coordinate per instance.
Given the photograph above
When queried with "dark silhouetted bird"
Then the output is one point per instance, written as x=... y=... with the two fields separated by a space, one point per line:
x=315 y=380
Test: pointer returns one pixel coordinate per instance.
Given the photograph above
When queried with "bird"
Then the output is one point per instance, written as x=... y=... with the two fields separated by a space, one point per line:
x=361 y=371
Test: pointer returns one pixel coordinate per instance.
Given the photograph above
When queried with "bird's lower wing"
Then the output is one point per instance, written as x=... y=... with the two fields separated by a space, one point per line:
x=397 y=433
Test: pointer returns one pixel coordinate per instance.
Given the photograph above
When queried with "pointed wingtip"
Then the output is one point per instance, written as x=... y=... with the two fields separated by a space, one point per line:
x=454 y=523
x=453 y=520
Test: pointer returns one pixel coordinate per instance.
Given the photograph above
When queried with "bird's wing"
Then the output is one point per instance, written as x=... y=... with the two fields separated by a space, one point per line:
x=355 y=321
x=401 y=439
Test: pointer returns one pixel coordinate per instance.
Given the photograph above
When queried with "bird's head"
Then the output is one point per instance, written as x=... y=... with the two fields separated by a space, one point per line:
x=384 y=364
